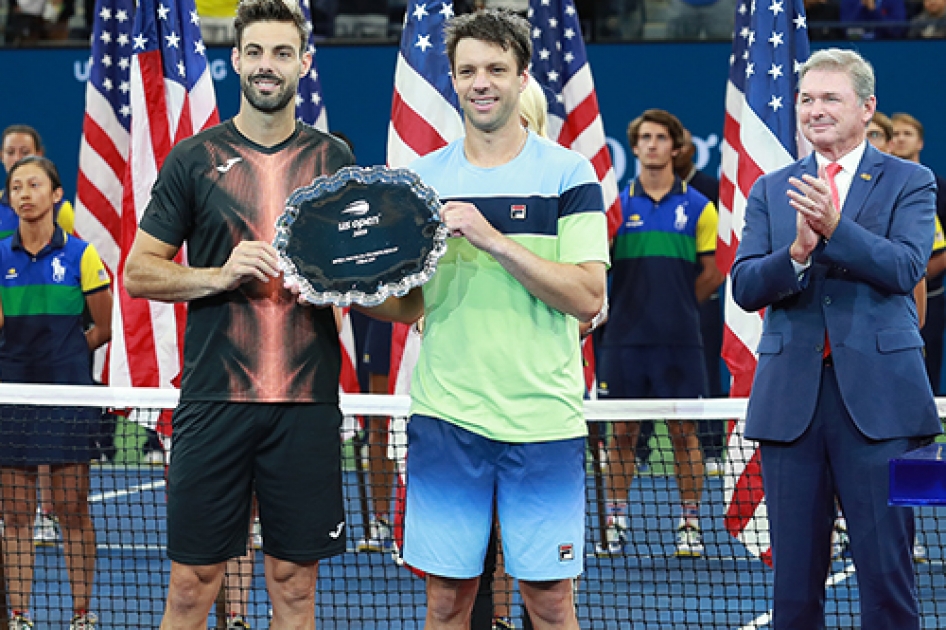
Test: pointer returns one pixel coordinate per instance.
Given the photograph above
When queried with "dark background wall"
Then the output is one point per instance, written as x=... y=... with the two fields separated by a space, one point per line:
x=46 y=88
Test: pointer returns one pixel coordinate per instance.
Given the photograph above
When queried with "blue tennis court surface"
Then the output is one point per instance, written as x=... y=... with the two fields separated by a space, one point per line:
x=646 y=588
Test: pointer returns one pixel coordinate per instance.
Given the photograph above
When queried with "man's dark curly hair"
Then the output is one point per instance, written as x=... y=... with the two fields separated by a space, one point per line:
x=496 y=26
x=252 y=11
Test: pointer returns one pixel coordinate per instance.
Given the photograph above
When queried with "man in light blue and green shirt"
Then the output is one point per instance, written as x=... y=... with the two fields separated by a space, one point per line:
x=497 y=391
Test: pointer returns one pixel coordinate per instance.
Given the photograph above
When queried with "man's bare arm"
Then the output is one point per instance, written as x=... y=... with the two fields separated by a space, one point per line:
x=575 y=289
x=100 y=308
x=937 y=264
x=709 y=279
x=150 y=271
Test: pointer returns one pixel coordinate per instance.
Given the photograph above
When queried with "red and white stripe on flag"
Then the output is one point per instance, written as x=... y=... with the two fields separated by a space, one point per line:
x=348 y=377
x=103 y=151
x=760 y=135
x=560 y=65
x=162 y=94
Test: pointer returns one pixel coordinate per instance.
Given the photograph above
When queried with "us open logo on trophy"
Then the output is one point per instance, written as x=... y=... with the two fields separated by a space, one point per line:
x=360 y=236
x=360 y=224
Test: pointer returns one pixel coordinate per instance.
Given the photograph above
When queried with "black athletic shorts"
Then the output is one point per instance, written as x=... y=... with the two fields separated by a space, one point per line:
x=289 y=454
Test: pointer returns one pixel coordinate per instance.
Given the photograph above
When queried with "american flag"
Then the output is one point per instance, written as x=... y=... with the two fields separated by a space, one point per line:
x=425 y=112
x=560 y=65
x=760 y=135
x=103 y=152
x=171 y=97
x=309 y=106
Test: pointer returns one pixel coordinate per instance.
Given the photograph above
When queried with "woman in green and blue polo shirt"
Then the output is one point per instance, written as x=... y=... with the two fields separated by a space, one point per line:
x=47 y=279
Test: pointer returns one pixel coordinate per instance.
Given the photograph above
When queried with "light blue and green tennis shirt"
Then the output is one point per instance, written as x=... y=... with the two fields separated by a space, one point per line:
x=495 y=360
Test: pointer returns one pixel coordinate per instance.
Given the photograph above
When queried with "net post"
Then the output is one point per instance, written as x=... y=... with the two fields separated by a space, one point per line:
x=4 y=613
x=360 y=443
x=596 y=438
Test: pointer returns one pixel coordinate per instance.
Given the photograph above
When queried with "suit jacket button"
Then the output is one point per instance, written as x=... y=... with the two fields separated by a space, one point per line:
x=827 y=299
x=819 y=348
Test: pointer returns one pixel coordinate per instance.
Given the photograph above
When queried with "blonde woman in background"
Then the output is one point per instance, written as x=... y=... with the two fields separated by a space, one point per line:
x=533 y=108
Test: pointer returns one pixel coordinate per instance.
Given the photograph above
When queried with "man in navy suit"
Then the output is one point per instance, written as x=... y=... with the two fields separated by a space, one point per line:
x=832 y=248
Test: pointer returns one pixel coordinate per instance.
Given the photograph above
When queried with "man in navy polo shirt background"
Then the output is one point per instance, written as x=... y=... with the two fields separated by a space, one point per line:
x=663 y=267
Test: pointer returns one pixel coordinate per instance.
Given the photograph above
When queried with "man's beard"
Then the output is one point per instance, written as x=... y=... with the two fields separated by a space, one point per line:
x=271 y=103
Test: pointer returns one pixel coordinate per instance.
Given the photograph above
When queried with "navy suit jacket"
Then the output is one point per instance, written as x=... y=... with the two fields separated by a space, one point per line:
x=859 y=288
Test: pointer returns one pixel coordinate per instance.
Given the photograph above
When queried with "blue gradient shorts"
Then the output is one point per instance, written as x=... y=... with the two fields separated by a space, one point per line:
x=453 y=476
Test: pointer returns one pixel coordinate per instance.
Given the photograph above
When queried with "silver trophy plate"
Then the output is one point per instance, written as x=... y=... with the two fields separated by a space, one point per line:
x=360 y=236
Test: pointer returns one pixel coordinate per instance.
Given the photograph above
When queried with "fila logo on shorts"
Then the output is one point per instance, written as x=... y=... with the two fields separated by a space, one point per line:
x=566 y=552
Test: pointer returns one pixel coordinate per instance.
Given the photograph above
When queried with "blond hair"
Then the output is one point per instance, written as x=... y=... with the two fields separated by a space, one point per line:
x=533 y=108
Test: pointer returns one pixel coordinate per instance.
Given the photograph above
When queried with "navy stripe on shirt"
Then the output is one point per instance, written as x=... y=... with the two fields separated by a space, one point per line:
x=536 y=215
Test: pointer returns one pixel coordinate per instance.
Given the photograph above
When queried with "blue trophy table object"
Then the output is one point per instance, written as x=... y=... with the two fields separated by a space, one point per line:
x=919 y=477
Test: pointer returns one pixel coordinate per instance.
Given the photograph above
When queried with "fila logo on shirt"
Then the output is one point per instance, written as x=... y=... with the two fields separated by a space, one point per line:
x=517 y=212
x=11 y=274
x=59 y=272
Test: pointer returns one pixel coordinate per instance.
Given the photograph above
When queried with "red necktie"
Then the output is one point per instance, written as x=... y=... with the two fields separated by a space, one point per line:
x=831 y=170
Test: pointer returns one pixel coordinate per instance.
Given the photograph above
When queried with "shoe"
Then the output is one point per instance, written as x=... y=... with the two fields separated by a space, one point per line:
x=396 y=554
x=237 y=623
x=45 y=530
x=379 y=537
x=689 y=541
x=615 y=537
x=19 y=622
x=919 y=553
x=256 y=535
x=714 y=467
x=839 y=541
x=154 y=458
x=84 y=621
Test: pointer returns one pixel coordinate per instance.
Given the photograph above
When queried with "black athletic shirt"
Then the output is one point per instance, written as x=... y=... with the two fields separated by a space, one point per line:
x=253 y=344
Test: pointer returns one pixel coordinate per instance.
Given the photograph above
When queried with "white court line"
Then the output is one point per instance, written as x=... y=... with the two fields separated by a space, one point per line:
x=834 y=580
x=114 y=494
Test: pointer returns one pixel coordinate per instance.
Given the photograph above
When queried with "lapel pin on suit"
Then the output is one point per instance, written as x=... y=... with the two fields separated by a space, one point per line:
x=866 y=177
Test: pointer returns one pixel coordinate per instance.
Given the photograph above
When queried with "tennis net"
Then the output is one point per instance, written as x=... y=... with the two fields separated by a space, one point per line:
x=113 y=561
